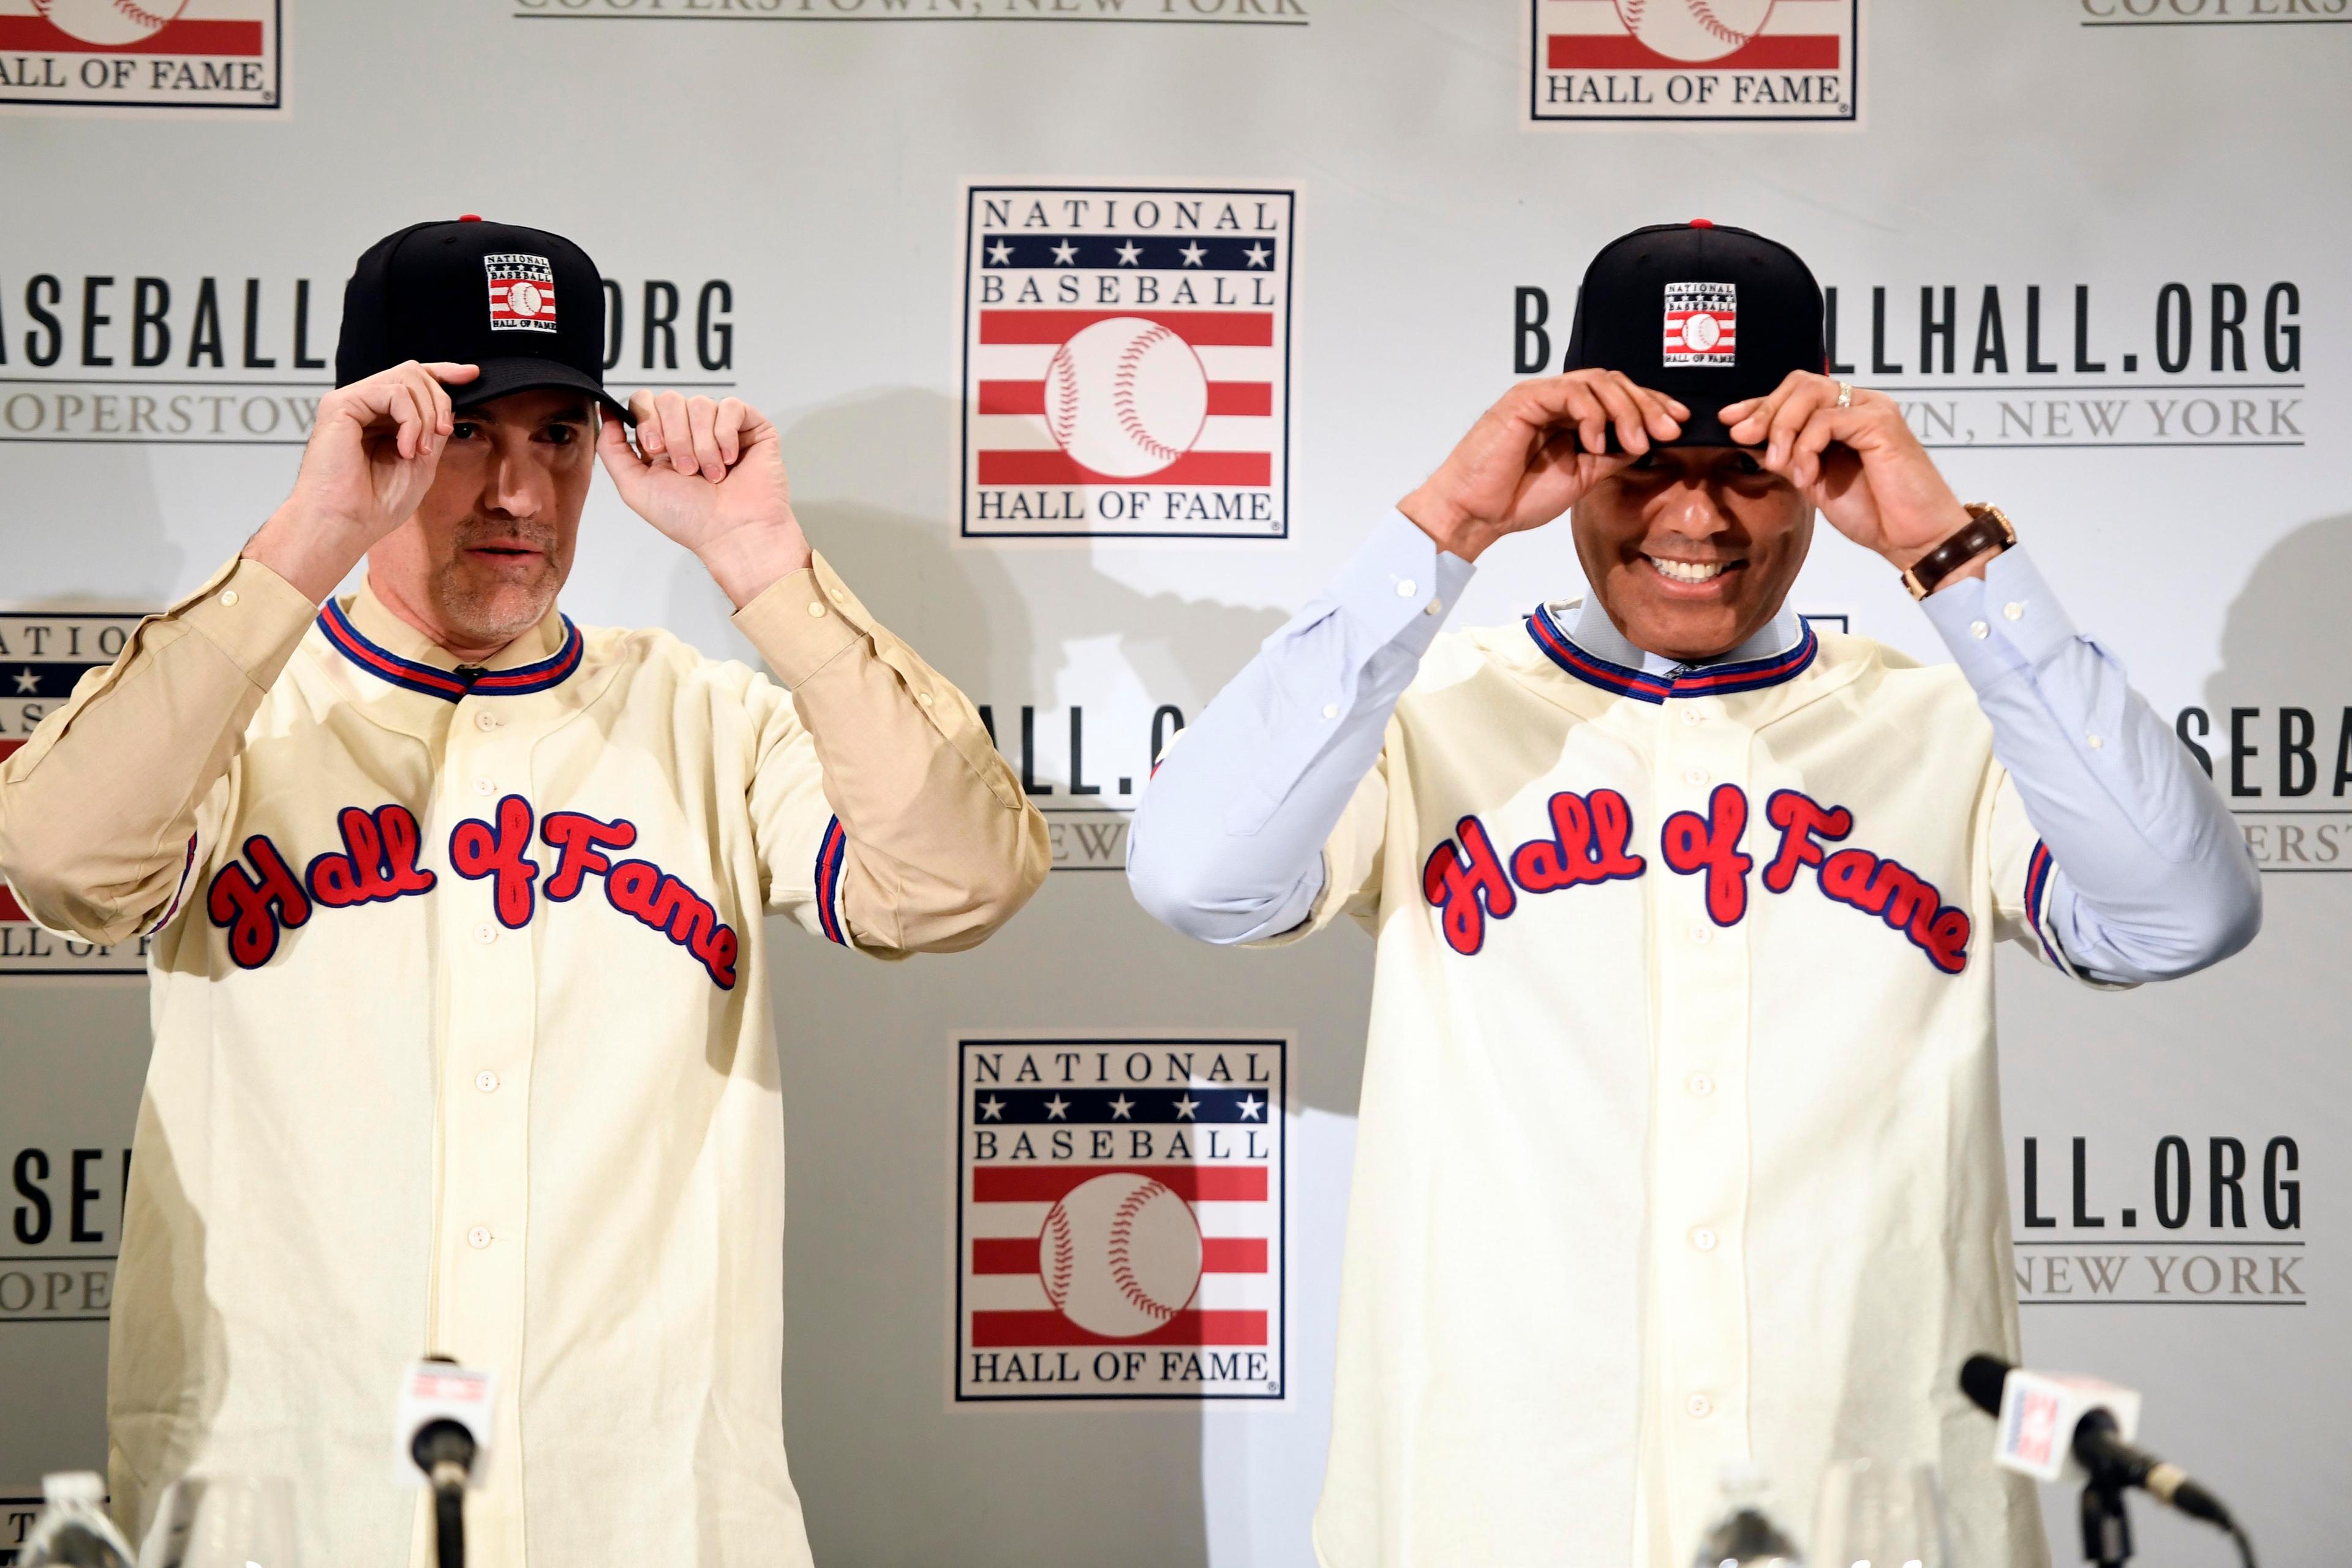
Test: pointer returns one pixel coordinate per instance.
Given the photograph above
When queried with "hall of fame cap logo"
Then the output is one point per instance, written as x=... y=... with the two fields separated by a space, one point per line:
x=1127 y=362
x=1693 y=60
x=1702 y=324
x=42 y=655
x=522 y=292
x=145 y=54
x=1119 y=1219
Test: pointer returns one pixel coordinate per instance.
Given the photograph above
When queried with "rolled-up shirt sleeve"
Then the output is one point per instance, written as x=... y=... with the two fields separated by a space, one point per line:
x=98 y=810
x=2147 y=877
x=1227 y=843
x=931 y=844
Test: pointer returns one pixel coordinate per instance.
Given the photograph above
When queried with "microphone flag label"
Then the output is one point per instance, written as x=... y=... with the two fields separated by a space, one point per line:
x=2035 y=1433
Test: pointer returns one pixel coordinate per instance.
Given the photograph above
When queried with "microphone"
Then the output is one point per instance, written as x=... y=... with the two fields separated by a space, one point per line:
x=443 y=1437
x=2046 y=1422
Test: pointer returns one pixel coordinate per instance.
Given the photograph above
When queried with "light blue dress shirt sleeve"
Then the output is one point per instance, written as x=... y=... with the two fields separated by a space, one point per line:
x=2152 y=878
x=1227 y=843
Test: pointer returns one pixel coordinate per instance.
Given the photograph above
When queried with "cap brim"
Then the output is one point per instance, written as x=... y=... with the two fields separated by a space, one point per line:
x=1704 y=429
x=502 y=377
x=1701 y=429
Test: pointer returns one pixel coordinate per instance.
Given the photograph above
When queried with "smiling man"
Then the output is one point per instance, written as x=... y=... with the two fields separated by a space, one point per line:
x=1680 y=1136
x=463 y=1036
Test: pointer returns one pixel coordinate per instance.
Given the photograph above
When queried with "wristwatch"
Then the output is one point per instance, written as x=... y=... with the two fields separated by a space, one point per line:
x=1989 y=528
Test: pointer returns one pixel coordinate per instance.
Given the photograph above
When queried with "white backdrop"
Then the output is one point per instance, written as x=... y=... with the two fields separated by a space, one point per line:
x=789 y=180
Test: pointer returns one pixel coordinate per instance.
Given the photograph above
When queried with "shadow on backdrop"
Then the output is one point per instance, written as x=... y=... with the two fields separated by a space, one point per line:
x=865 y=1046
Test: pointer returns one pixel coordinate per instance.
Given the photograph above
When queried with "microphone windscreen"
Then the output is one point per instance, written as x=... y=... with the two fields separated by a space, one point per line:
x=1981 y=1380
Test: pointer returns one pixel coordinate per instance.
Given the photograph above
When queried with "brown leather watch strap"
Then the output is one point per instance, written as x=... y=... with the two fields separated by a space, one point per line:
x=1988 y=529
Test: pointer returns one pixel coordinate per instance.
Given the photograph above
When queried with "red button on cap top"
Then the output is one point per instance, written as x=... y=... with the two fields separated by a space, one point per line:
x=1702 y=223
x=469 y=217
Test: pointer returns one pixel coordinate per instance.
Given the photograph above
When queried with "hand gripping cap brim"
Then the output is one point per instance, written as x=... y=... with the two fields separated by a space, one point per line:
x=1762 y=306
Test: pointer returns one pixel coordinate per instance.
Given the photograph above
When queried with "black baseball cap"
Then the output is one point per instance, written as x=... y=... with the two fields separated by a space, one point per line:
x=1703 y=313
x=526 y=305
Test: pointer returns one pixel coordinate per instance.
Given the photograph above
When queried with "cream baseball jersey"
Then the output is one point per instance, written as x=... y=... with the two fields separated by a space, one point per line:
x=463 y=1043
x=1679 y=1113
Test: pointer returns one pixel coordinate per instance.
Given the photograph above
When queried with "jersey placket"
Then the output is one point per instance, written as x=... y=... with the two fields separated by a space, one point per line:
x=1699 y=1151
x=484 y=1091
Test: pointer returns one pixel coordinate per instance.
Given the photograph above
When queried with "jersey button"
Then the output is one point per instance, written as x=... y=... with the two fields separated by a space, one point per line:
x=1704 y=1239
x=486 y=786
x=1699 y=1406
x=487 y=1081
x=479 y=1237
x=1700 y=1084
x=485 y=934
x=1691 y=716
x=1701 y=934
x=1695 y=775
x=486 y=721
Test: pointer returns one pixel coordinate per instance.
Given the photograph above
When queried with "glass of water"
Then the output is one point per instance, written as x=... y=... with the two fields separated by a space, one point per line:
x=223 y=1522
x=1878 y=1515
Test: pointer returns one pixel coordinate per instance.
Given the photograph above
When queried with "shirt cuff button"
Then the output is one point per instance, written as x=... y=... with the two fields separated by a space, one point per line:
x=1407 y=588
x=1330 y=710
x=816 y=609
x=2013 y=610
x=1978 y=630
x=229 y=597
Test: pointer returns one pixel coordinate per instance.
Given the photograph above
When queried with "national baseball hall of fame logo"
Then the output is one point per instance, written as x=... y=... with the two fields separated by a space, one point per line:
x=1751 y=60
x=1127 y=362
x=42 y=655
x=142 y=54
x=1119 y=1218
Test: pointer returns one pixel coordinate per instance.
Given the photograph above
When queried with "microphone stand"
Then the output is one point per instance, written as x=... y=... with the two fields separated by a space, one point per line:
x=2107 y=1527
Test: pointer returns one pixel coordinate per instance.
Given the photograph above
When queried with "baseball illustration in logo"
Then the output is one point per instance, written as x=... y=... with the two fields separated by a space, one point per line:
x=1126 y=396
x=109 y=23
x=1702 y=324
x=1119 y=1222
x=522 y=292
x=171 y=55
x=1694 y=30
x=1127 y=362
x=1693 y=60
x=1120 y=1255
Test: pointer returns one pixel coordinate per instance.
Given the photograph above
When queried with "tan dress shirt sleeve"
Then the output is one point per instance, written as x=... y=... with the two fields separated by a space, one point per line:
x=98 y=808
x=942 y=845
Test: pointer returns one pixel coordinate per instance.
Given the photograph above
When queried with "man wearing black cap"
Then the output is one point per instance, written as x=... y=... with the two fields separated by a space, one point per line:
x=1680 y=1143
x=463 y=1033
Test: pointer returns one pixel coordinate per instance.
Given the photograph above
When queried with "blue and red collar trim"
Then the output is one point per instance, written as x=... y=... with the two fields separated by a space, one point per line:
x=408 y=673
x=1714 y=681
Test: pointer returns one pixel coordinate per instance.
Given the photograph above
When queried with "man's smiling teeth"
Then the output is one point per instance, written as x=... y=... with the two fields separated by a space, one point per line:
x=1687 y=571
